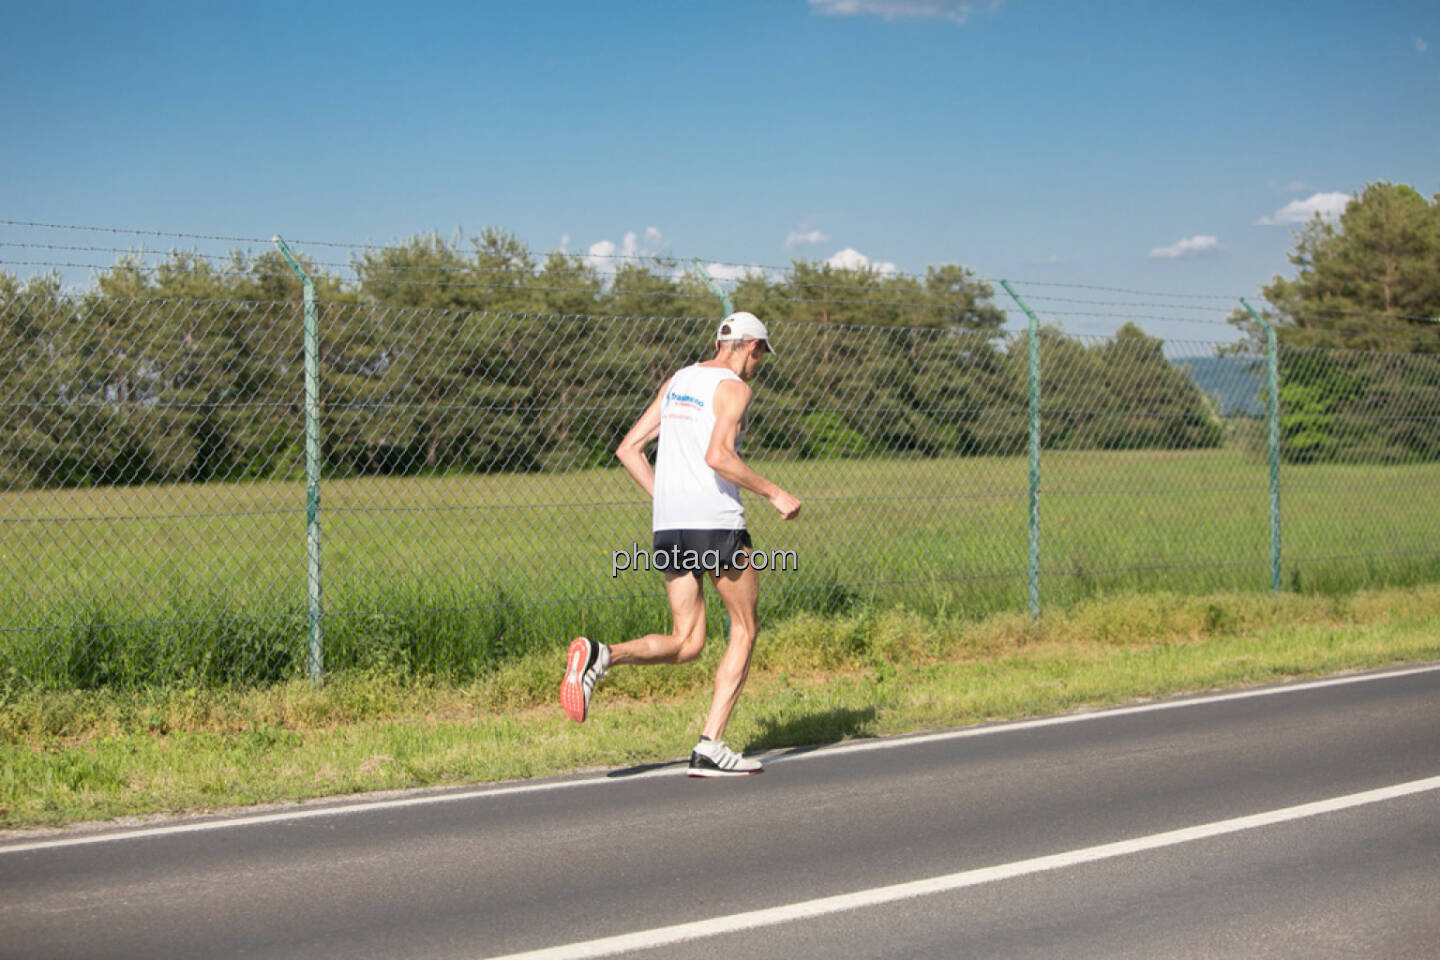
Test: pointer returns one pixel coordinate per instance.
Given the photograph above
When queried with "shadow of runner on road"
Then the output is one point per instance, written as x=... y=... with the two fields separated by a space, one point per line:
x=814 y=730
x=647 y=767
x=803 y=734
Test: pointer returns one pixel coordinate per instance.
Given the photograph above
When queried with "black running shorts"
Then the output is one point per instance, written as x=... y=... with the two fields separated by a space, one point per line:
x=697 y=551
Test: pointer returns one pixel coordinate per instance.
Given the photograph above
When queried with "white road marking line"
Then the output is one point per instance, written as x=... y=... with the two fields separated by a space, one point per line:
x=289 y=815
x=675 y=769
x=808 y=909
x=1103 y=713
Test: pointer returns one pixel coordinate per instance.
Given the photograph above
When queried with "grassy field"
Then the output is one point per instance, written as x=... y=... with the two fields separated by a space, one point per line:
x=82 y=755
x=202 y=586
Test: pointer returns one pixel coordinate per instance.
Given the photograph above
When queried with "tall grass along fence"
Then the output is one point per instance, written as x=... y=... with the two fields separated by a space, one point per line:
x=159 y=522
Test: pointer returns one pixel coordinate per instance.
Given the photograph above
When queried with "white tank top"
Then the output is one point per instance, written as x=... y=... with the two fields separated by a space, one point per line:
x=688 y=494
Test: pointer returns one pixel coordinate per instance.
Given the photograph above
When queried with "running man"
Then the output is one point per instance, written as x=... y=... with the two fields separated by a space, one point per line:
x=698 y=417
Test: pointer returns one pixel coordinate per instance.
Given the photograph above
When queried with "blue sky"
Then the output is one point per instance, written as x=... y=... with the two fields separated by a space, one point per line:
x=1130 y=144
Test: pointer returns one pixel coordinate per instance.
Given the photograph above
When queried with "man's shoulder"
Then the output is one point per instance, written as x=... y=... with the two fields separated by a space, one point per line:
x=732 y=391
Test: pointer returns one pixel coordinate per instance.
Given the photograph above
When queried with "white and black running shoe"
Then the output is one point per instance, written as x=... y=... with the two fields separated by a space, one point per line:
x=585 y=664
x=711 y=758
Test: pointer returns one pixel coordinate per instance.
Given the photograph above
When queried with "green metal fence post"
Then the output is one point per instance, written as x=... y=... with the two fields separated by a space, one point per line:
x=1034 y=364
x=714 y=287
x=1273 y=389
x=314 y=605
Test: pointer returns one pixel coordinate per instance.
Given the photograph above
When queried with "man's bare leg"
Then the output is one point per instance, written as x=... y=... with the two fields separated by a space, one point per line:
x=740 y=589
x=687 y=637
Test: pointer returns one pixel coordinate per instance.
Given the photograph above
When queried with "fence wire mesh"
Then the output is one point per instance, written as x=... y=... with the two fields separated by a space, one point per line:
x=1360 y=431
x=153 y=506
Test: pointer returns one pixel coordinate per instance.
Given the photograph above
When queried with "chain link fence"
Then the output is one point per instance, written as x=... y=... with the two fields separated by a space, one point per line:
x=153 y=505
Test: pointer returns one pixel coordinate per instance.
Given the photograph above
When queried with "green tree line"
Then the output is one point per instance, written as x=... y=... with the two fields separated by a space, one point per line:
x=1359 y=328
x=436 y=359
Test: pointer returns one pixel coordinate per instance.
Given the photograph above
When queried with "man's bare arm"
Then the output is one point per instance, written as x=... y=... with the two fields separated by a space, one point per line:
x=631 y=451
x=732 y=397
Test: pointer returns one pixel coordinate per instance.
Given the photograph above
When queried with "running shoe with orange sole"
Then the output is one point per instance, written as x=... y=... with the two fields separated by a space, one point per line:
x=585 y=663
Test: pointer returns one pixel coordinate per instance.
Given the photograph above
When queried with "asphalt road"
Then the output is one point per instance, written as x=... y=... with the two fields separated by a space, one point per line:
x=484 y=873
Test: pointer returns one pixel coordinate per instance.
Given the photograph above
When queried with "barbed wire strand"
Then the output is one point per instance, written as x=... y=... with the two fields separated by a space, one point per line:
x=523 y=287
x=656 y=258
x=641 y=257
x=378 y=270
x=1385 y=321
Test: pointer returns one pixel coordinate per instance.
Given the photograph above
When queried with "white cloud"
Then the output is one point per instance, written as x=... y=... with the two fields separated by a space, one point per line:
x=605 y=257
x=564 y=243
x=810 y=239
x=852 y=259
x=1190 y=246
x=1328 y=205
x=729 y=272
x=601 y=256
x=956 y=11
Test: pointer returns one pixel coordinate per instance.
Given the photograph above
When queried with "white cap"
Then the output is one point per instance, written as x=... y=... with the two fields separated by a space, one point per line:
x=741 y=325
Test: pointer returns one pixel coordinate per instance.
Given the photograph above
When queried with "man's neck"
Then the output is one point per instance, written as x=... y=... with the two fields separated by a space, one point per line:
x=734 y=362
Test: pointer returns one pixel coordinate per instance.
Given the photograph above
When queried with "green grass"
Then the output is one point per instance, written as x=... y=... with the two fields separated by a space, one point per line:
x=455 y=576
x=80 y=754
